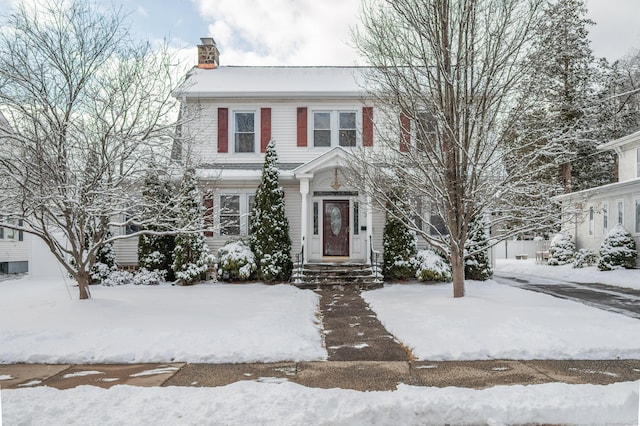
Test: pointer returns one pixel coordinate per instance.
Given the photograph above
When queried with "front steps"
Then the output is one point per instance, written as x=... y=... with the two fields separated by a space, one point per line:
x=358 y=276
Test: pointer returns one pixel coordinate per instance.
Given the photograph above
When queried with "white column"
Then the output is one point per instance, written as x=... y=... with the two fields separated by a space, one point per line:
x=304 y=219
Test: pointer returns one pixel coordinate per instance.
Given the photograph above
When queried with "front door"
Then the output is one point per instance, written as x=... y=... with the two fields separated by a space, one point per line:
x=336 y=228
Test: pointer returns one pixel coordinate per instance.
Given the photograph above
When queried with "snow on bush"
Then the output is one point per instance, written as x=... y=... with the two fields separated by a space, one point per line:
x=236 y=261
x=584 y=258
x=118 y=278
x=618 y=250
x=561 y=249
x=431 y=267
x=477 y=265
x=146 y=277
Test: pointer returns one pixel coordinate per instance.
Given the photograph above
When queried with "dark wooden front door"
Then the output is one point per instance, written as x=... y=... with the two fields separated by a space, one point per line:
x=336 y=228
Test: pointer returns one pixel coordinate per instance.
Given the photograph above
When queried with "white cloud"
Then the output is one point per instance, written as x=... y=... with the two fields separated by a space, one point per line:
x=282 y=32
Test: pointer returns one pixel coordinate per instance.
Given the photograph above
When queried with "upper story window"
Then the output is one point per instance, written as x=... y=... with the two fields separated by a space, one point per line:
x=244 y=131
x=347 y=123
x=10 y=233
x=335 y=128
x=322 y=128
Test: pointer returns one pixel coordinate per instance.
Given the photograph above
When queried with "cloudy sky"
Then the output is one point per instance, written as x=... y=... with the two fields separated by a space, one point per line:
x=312 y=32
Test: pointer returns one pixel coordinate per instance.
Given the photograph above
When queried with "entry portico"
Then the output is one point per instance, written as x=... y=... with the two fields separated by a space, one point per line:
x=336 y=218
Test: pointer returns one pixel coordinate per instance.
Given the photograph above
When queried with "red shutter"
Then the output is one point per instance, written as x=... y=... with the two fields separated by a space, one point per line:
x=265 y=128
x=223 y=129
x=302 y=126
x=405 y=132
x=367 y=126
x=207 y=202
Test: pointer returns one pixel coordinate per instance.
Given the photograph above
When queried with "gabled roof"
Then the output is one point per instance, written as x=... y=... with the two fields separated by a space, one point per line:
x=332 y=158
x=275 y=82
x=617 y=143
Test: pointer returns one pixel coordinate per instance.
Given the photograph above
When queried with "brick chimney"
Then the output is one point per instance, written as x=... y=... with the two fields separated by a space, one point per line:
x=208 y=54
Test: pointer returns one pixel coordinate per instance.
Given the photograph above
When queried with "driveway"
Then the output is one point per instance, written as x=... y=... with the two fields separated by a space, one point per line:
x=621 y=300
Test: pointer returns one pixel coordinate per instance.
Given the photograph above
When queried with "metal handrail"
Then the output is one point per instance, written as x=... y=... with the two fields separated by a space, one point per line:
x=374 y=257
x=300 y=262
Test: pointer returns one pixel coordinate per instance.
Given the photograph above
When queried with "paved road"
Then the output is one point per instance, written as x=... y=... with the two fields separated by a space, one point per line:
x=624 y=301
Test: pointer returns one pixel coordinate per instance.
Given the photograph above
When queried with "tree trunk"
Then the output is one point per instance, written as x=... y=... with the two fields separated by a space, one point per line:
x=82 y=277
x=457 y=269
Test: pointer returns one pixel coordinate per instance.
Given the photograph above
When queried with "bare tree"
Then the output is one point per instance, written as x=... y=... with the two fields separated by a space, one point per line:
x=449 y=76
x=88 y=109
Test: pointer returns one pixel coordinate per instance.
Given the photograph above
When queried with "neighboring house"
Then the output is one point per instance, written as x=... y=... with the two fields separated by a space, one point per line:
x=590 y=214
x=14 y=250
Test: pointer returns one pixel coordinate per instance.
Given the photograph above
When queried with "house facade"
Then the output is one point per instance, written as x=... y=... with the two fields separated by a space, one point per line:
x=316 y=116
x=590 y=214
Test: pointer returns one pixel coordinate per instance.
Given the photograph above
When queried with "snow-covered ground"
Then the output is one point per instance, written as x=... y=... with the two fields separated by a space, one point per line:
x=591 y=274
x=285 y=403
x=43 y=321
x=498 y=321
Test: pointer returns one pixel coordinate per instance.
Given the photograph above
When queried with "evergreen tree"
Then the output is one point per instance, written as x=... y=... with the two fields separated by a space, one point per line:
x=618 y=250
x=191 y=256
x=562 y=249
x=477 y=265
x=398 y=243
x=155 y=252
x=269 y=227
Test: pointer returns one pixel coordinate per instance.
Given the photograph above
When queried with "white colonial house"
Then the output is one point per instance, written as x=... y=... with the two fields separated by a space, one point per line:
x=591 y=213
x=316 y=116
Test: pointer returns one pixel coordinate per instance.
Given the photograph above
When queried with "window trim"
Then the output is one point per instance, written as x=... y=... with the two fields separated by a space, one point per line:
x=605 y=218
x=244 y=212
x=256 y=130
x=620 y=212
x=637 y=162
x=591 y=221
x=334 y=127
x=636 y=215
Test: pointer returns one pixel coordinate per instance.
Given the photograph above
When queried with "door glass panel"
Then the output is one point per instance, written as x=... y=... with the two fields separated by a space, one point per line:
x=336 y=220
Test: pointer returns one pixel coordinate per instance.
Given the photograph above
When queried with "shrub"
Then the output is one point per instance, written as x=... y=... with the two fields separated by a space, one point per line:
x=561 y=249
x=618 y=250
x=584 y=258
x=118 y=278
x=477 y=266
x=398 y=243
x=146 y=277
x=236 y=261
x=430 y=266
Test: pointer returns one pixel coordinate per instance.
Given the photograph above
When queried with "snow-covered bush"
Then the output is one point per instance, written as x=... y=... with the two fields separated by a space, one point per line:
x=101 y=271
x=146 y=277
x=270 y=241
x=398 y=244
x=618 y=250
x=236 y=261
x=477 y=266
x=118 y=278
x=191 y=257
x=561 y=249
x=430 y=266
x=584 y=258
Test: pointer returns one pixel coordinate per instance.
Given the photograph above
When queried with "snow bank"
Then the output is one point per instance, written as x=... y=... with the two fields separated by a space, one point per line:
x=497 y=321
x=41 y=321
x=621 y=277
x=286 y=403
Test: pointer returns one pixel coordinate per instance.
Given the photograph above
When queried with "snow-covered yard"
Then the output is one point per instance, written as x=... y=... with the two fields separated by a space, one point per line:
x=497 y=321
x=621 y=277
x=42 y=321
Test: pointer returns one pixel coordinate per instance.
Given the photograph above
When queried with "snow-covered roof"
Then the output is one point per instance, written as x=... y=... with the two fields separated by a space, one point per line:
x=633 y=137
x=278 y=82
x=627 y=185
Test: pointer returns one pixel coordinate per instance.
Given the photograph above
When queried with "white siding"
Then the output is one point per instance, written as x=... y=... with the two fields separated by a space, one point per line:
x=126 y=251
x=628 y=162
x=14 y=251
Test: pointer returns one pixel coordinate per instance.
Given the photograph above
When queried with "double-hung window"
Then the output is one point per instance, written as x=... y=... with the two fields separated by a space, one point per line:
x=347 y=128
x=591 y=220
x=620 y=204
x=229 y=215
x=637 y=230
x=605 y=218
x=235 y=213
x=321 y=129
x=638 y=162
x=244 y=131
